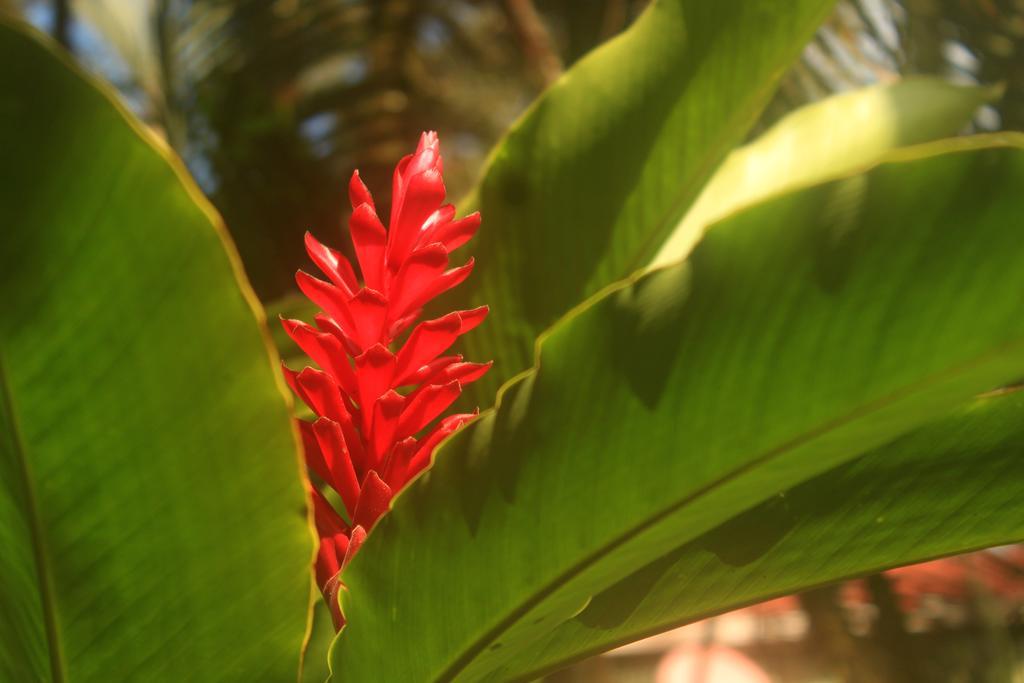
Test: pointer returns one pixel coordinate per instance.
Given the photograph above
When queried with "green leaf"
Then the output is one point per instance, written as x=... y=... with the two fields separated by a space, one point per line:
x=321 y=635
x=948 y=487
x=800 y=334
x=594 y=177
x=152 y=516
x=824 y=141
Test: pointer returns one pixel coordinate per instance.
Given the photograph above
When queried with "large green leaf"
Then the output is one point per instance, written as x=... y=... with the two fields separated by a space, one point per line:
x=598 y=172
x=824 y=141
x=799 y=334
x=321 y=635
x=951 y=486
x=152 y=516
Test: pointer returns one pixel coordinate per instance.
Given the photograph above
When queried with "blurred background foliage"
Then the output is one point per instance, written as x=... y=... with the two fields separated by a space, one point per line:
x=272 y=103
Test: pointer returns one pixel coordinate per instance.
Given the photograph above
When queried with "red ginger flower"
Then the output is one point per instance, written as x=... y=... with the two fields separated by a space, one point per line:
x=372 y=394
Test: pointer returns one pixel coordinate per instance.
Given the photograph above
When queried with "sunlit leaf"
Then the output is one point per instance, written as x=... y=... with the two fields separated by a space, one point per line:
x=152 y=516
x=597 y=173
x=800 y=334
x=823 y=141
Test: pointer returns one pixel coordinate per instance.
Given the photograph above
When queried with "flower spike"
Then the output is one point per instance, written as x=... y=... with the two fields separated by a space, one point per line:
x=378 y=400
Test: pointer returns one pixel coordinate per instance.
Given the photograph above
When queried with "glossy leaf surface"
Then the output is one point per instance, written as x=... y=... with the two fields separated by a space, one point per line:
x=597 y=173
x=823 y=141
x=152 y=516
x=800 y=334
x=947 y=487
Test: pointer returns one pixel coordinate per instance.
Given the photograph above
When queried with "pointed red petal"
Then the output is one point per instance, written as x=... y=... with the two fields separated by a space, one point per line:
x=386 y=414
x=464 y=372
x=333 y=585
x=398 y=183
x=376 y=368
x=341 y=474
x=329 y=298
x=456 y=233
x=330 y=591
x=473 y=317
x=374 y=497
x=311 y=449
x=431 y=338
x=443 y=216
x=428 y=138
x=355 y=542
x=425 y=405
x=424 y=281
x=398 y=326
x=369 y=239
x=418 y=275
x=427 y=340
x=450 y=278
x=322 y=393
x=397 y=461
x=429 y=370
x=357 y=192
x=329 y=558
x=328 y=325
x=324 y=398
x=291 y=377
x=426 y=158
x=328 y=521
x=423 y=196
x=325 y=349
x=446 y=427
x=467 y=372
x=335 y=266
x=368 y=309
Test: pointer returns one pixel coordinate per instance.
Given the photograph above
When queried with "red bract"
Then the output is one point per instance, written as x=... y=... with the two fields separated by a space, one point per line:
x=377 y=399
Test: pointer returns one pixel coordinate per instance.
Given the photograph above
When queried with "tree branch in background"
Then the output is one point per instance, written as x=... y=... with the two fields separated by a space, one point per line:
x=894 y=645
x=61 y=20
x=829 y=639
x=615 y=18
x=534 y=40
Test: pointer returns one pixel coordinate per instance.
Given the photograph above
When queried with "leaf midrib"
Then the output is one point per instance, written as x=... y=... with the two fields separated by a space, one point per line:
x=44 y=575
x=768 y=456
